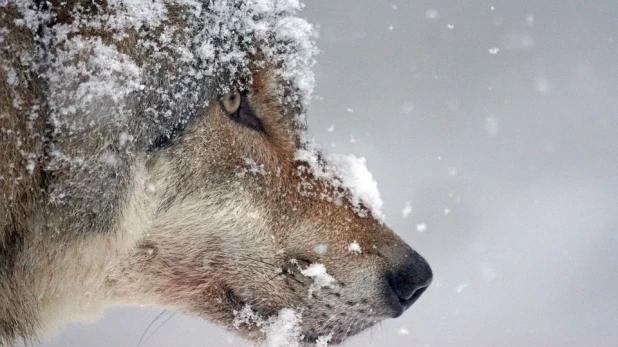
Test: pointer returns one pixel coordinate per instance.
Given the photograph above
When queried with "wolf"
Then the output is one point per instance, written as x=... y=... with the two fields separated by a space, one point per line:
x=155 y=152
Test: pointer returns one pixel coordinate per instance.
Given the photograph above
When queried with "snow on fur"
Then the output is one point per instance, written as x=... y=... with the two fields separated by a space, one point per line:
x=354 y=247
x=282 y=330
x=319 y=275
x=346 y=172
x=211 y=45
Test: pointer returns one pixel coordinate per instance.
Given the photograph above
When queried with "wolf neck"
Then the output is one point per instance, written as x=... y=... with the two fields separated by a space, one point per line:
x=58 y=279
x=53 y=284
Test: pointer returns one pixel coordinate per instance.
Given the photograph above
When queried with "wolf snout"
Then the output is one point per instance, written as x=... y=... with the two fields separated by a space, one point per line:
x=407 y=280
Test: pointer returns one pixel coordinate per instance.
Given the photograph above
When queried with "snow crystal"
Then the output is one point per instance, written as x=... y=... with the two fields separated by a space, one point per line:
x=253 y=167
x=407 y=107
x=109 y=158
x=390 y=28
x=123 y=139
x=407 y=209
x=450 y=26
x=331 y=128
x=432 y=14
x=542 y=86
x=284 y=330
x=11 y=76
x=461 y=287
x=103 y=80
x=323 y=341
x=283 y=6
x=494 y=50
x=421 y=227
x=350 y=110
x=404 y=331
x=320 y=277
x=320 y=248
x=246 y=316
x=150 y=187
x=30 y=167
x=135 y=13
x=354 y=247
x=447 y=210
x=491 y=126
x=345 y=171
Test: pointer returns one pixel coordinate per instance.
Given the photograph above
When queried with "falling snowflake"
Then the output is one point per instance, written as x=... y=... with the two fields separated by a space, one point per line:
x=407 y=209
x=421 y=227
x=432 y=14
x=491 y=126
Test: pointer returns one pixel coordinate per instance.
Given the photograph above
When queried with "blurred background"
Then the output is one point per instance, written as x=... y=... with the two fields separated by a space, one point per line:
x=492 y=130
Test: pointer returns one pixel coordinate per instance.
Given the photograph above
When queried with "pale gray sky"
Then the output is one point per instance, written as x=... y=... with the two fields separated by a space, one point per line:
x=498 y=122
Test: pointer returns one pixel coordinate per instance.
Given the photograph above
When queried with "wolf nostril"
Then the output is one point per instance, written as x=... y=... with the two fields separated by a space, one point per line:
x=410 y=277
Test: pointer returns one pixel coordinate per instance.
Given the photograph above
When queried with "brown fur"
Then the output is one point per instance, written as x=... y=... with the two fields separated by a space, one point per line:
x=188 y=227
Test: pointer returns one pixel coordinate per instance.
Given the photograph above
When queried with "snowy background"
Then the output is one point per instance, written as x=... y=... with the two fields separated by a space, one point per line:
x=492 y=129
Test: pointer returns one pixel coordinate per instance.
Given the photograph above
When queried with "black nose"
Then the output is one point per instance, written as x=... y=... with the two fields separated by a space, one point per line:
x=410 y=275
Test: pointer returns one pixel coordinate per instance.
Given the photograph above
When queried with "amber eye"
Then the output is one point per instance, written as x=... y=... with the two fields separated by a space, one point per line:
x=231 y=101
x=237 y=105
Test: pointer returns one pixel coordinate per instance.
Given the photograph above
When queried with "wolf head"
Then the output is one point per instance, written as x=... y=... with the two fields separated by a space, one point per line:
x=172 y=169
x=244 y=222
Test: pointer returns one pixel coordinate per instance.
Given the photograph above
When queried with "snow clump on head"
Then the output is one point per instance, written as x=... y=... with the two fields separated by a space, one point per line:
x=278 y=331
x=354 y=247
x=346 y=172
x=284 y=330
x=320 y=277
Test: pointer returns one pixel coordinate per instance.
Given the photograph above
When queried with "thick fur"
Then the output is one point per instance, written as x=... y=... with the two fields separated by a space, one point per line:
x=203 y=224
